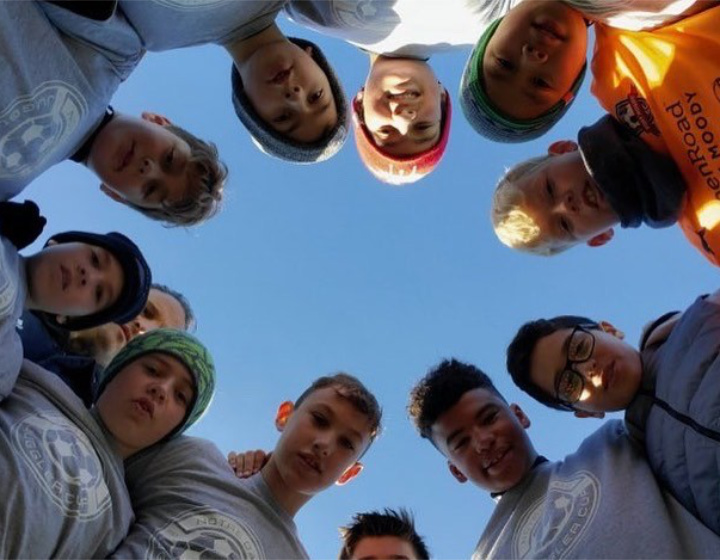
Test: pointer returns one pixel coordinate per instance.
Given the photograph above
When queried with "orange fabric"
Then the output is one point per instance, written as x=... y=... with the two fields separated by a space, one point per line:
x=665 y=85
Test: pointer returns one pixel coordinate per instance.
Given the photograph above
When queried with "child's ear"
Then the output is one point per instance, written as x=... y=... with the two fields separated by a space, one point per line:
x=351 y=472
x=112 y=194
x=155 y=118
x=284 y=412
x=460 y=477
x=520 y=415
x=601 y=238
x=562 y=147
x=360 y=96
x=610 y=329
x=584 y=414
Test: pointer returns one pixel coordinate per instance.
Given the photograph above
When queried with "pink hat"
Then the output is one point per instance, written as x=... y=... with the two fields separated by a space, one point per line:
x=399 y=170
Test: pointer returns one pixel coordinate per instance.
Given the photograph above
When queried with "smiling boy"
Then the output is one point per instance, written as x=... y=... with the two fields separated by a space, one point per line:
x=67 y=497
x=576 y=193
x=284 y=91
x=545 y=509
x=670 y=390
x=78 y=280
x=186 y=497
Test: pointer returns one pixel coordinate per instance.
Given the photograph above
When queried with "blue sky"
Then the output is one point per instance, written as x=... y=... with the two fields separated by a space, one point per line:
x=310 y=270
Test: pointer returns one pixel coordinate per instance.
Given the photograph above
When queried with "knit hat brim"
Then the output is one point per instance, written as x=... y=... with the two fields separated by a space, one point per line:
x=487 y=119
x=136 y=285
x=275 y=144
x=400 y=170
x=180 y=345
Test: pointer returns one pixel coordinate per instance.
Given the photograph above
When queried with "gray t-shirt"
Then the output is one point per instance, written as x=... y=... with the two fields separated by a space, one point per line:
x=63 y=494
x=600 y=502
x=54 y=87
x=173 y=24
x=188 y=501
x=420 y=28
x=12 y=302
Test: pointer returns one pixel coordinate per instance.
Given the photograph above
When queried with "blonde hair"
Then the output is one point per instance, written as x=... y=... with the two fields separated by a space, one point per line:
x=204 y=198
x=513 y=226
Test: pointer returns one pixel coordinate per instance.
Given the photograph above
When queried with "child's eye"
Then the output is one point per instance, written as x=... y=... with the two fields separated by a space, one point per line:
x=503 y=63
x=316 y=96
x=540 y=83
x=319 y=420
x=169 y=158
x=151 y=370
x=550 y=190
x=423 y=126
x=98 y=295
x=182 y=398
x=347 y=444
x=490 y=418
x=566 y=225
x=94 y=259
x=148 y=312
x=462 y=442
x=149 y=190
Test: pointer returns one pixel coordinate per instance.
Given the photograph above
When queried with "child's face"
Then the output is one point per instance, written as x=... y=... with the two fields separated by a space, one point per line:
x=402 y=105
x=534 y=57
x=145 y=401
x=565 y=201
x=74 y=279
x=103 y=342
x=289 y=91
x=141 y=162
x=323 y=437
x=485 y=441
x=607 y=381
x=387 y=546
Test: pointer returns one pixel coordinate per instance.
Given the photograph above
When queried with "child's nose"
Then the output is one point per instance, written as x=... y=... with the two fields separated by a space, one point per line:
x=534 y=54
x=292 y=92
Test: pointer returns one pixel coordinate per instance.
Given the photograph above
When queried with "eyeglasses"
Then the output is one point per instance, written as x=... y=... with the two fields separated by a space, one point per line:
x=569 y=384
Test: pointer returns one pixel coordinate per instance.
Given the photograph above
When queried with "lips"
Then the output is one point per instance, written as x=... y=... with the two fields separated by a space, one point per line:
x=492 y=459
x=126 y=158
x=310 y=461
x=146 y=406
x=550 y=30
x=281 y=76
x=65 y=278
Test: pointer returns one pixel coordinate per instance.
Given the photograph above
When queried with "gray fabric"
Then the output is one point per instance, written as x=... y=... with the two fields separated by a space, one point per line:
x=54 y=88
x=12 y=302
x=600 y=502
x=173 y=24
x=684 y=373
x=186 y=497
x=63 y=493
x=411 y=28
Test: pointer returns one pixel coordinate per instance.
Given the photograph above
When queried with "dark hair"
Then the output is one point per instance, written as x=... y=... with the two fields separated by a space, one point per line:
x=351 y=389
x=388 y=523
x=519 y=354
x=441 y=389
x=209 y=175
x=190 y=319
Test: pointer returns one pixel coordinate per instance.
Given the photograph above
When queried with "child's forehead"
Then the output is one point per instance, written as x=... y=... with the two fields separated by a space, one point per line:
x=338 y=401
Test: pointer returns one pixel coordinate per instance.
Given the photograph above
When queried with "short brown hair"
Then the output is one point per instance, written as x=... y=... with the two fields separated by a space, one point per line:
x=352 y=389
x=209 y=175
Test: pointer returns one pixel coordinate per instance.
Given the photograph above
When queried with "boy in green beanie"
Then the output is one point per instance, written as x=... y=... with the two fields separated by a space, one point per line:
x=67 y=496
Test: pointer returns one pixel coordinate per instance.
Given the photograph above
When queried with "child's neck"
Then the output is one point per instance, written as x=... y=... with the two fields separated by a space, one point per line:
x=242 y=49
x=290 y=500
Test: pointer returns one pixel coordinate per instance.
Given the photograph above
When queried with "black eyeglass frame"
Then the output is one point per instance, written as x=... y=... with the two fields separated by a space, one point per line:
x=586 y=328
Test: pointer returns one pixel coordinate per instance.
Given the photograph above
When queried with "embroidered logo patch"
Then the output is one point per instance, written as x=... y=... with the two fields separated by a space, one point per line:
x=555 y=523
x=635 y=113
x=205 y=533
x=64 y=463
x=34 y=125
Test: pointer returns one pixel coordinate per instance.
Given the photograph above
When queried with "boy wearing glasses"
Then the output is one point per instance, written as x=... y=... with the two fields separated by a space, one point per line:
x=669 y=389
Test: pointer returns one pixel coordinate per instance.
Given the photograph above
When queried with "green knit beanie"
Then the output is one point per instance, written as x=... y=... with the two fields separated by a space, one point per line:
x=178 y=344
x=487 y=119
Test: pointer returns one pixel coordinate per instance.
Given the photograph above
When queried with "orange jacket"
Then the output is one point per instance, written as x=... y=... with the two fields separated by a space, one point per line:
x=665 y=85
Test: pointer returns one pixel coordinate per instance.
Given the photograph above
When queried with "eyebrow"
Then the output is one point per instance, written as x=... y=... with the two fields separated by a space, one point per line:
x=478 y=414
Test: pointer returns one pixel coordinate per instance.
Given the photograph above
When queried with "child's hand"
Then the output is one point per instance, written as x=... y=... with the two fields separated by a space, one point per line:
x=248 y=463
x=21 y=222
